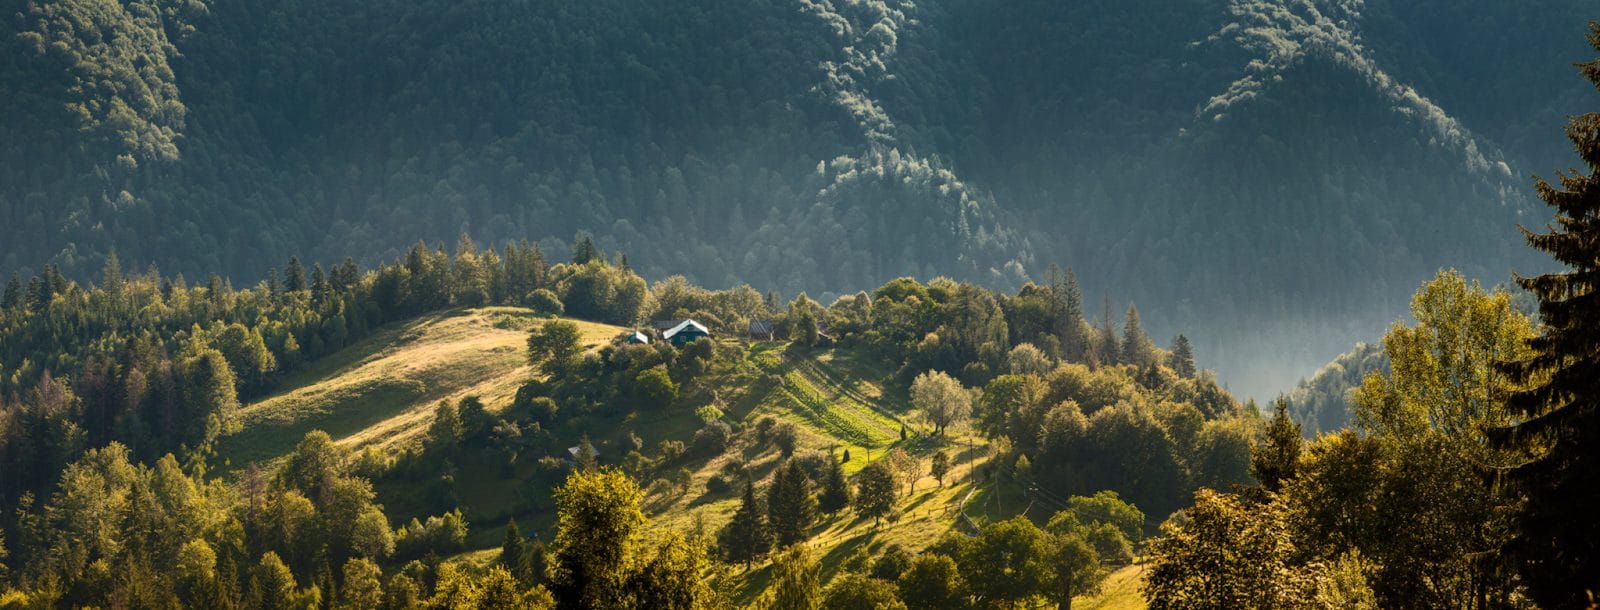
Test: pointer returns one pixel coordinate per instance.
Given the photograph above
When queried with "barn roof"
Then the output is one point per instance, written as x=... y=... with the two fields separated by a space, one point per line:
x=686 y=325
x=639 y=337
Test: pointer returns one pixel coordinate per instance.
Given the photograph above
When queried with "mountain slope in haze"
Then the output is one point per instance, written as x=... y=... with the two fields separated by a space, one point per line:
x=1277 y=176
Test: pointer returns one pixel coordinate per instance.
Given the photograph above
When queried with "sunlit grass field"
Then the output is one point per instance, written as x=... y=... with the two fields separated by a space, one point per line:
x=381 y=391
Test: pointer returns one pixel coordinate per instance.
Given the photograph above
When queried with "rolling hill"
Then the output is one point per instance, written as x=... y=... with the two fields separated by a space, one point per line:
x=380 y=392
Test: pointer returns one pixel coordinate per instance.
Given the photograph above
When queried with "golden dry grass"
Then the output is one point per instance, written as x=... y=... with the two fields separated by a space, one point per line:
x=381 y=391
x=1120 y=592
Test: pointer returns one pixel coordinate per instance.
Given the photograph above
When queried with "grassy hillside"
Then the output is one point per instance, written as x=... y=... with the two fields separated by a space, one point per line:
x=381 y=390
x=1120 y=592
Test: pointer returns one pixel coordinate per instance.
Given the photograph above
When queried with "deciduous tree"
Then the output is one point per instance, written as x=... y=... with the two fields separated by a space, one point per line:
x=875 y=491
x=941 y=399
x=598 y=521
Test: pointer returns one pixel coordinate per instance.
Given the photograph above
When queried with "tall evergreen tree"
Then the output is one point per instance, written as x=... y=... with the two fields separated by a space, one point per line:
x=1068 y=320
x=514 y=555
x=54 y=280
x=1273 y=461
x=13 y=294
x=746 y=538
x=37 y=297
x=791 y=505
x=835 y=489
x=111 y=274
x=583 y=250
x=319 y=285
x=1183 y=357
x=1559 y=410
x=345 y=275
x=294 y=275
x=1107 y=349
x=1137 y=349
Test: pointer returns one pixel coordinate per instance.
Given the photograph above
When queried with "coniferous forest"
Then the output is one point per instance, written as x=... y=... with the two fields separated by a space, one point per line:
x=867 y=304
x=1273 y=178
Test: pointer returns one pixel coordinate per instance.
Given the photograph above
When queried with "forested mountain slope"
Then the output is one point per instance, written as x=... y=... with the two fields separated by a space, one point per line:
x=1275 y=176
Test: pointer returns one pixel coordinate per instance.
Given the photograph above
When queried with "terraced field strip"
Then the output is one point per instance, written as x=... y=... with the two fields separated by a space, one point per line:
x=839 y=417
x=831 y=380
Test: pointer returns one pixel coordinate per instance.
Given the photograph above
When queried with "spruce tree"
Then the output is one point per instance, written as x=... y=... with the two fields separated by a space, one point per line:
x=37 y=297
x=319 y=285
x=835 y=489
x=54 y=280
x=1068 y=319
x=791 y=505
x=13 y=294
x=514 y=554
x=1559 y=408
x=1274 y=460
x=1183 y=357
x=294 y=275
x=1108 y=349
x=1137 y=349
x=746 y=538
x=583 y=250
x=111 y=275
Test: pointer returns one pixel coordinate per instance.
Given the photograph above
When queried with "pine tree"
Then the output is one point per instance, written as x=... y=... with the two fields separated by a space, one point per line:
x=319 y=285
x=1109 y=351
x=1559 y=423
x=1137 y=349
x=37 y=298
x=54 y=280
x=583 y=250
x=346 y=274
x=514 y=554
x=1183 y=357
x=13 y=294
x=835 y=489
x=294 y=275
x=746 y=538
x=791 y=505
x=1069 y=320
x=1273 y=462
x=111 y=275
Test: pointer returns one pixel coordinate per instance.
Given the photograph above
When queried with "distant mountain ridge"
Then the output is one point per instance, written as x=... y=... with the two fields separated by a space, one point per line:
x=1277 y=174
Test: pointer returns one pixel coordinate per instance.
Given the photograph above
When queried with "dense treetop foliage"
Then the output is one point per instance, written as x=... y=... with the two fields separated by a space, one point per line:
x=104 y=379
